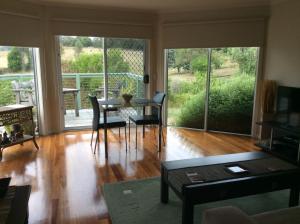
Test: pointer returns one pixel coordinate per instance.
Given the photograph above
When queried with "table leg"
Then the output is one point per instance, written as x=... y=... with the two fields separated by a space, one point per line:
x=35 y=144
x=164 y=188
x=76 y=105
x=105 y=133
x=144 y=112
x=298 y=155
x=271 y=139
x=160 y=129
x=187 y=211
x=294 y=196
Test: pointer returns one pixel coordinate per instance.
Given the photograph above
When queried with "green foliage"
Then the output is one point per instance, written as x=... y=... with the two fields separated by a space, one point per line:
x=78 y=47
x=87 y=63
x=68 y=41
x=125 y=43
x=230 y=103
x=217 y=59
x=93 y=63
x=182 y=59
x=246 y=58
x=97 y=42
x=130 y=88
x=85 y=41
x=7 y=96
x=115 y=61
x=199 y=64
x=14 y=59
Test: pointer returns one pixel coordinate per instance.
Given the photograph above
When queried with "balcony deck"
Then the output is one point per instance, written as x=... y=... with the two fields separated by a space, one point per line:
x=86 y=115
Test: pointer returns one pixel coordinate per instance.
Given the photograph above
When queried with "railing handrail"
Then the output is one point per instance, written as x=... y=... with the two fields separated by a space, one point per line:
x=71 y=75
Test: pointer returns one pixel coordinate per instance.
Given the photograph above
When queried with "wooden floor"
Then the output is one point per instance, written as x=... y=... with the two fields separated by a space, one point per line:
x=67 y=178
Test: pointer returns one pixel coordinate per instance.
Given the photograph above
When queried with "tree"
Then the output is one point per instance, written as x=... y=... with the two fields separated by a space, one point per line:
x=85 y=41
x=171 y=58
x=116 y=61
x=184 y=57
x=87 y=63
x=78 y=47
x=246 y=58
x=199 y=64
x=98 y=42
x=93 y=63
x=14 y=59
x=68 y=41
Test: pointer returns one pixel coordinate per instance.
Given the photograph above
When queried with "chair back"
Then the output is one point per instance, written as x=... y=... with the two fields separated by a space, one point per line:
x=158 y=98
x=96 y=112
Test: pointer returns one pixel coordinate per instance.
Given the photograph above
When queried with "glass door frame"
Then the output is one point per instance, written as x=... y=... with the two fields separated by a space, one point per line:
x=207 y=91
x=146 y=56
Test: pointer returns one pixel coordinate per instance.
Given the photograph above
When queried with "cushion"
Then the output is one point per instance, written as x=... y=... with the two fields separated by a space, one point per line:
x=282 y=216
x=146 y=119
x=226 y=215
x=112 y=122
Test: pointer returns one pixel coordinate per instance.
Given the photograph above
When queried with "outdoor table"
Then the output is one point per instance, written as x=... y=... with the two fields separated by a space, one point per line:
x=115 y=91
x=115 y=104
x=75 y=95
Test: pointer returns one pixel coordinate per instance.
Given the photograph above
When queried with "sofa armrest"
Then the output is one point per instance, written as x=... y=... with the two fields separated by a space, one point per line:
x=226 y=215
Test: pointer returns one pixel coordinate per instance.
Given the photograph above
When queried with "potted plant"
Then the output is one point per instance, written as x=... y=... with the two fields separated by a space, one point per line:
x=127 y=92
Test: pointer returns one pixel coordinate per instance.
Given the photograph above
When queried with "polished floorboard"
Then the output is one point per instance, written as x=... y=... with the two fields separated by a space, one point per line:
x=67 y=178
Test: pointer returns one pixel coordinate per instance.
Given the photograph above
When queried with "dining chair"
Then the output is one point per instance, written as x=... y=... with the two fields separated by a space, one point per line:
x=98 y=122
x=153 y=119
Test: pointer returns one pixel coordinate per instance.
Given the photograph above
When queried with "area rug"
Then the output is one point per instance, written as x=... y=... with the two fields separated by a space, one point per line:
x=138 y=202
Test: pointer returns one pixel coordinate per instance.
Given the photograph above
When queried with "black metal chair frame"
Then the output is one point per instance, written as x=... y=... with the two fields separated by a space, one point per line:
x=112 y=122
x=156 y=115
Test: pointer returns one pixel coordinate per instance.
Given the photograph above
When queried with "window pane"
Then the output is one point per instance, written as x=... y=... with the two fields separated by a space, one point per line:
x=125 y=67
x=82 y=74
x=187 y=72
x=17 y=80
x=232 y=89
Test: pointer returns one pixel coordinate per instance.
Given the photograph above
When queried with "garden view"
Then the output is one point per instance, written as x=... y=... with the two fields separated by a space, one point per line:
x=83 y=67
x=231 y=89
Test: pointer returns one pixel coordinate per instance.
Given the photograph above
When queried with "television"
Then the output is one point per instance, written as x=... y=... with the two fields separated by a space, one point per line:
x=288 y=105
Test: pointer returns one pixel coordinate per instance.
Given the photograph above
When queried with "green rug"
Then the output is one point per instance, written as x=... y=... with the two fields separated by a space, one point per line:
x=138 y=202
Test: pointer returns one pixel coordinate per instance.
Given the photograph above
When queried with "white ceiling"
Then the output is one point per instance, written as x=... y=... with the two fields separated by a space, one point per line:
x=161 y=5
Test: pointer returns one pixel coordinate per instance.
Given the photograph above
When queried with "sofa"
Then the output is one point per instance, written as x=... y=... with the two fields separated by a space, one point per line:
x=233 y=215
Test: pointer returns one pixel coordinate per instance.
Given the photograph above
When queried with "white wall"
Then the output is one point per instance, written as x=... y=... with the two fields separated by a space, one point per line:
x=283 y=44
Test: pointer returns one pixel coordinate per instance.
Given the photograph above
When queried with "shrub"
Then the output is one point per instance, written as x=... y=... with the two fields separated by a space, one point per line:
x=14 y=59
x=199 y=64
x=230 y=106
x=7 y=96
x=246 y=58
x=116 y=62
x=93 y=63
x=87 y=63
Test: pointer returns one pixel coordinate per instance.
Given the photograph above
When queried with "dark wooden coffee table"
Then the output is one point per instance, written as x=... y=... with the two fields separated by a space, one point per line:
x=266 y=173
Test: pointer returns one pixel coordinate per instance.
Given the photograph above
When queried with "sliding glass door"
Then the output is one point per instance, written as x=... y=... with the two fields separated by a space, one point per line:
x=106 y=67
x=125 y=66
x=231 y=95
x=82 y=73
x=187 y=73
x=18 y=80
x=212 y=89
